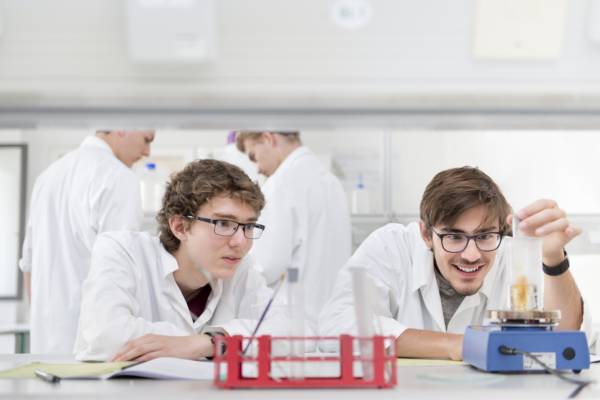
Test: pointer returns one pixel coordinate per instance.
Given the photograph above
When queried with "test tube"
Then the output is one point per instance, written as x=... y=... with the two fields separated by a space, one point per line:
x=361 y=288
x=526 y=291
x=297 y=316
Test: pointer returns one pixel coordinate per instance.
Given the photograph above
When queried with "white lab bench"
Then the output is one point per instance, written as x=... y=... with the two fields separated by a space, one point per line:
x=414 y=382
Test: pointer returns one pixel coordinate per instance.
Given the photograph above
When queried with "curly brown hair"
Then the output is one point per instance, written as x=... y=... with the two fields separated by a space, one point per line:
x=454 y=191
x=200 y=181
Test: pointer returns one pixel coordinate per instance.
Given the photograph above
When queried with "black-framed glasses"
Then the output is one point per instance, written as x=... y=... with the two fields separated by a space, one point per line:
x=454 y=242
x=225 y=227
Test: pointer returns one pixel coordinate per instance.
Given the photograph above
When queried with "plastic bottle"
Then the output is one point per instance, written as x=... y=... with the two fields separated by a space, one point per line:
x=360 y=198
x=152 y=188
x=363 y=298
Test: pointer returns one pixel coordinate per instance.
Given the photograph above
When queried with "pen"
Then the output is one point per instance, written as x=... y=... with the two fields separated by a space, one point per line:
x=264 y=314
x=46 y=376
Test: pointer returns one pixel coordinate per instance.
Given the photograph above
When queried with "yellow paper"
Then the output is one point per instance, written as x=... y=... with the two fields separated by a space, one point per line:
x=67 y=370
x=426 y=362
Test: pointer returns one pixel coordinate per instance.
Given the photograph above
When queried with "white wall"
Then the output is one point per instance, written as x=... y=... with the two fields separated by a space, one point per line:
x=527 y=165
x=291 y=54
x=349 y=151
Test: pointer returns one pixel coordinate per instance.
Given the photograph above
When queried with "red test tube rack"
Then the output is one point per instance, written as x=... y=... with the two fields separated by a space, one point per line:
x=230 y=366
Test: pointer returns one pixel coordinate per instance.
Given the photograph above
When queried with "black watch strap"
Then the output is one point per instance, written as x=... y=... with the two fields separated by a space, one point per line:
x=558 y=269
x=223 y=345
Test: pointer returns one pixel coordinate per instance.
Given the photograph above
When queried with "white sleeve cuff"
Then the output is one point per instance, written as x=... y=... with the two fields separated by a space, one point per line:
x=24 y=266
x=389 y=326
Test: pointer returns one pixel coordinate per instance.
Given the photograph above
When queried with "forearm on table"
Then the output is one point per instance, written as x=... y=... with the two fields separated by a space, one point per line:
x=418 y=343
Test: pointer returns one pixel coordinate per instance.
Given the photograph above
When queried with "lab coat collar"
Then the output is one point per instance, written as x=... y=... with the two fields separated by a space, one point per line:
x=169 y=265
x=93 y=141
x=168 y=262
x=291 y=158
x=423 y=273
x=217 y=286
x=424 y=281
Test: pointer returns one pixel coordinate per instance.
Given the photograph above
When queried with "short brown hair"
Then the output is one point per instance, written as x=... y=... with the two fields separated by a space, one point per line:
x=200 y=181
x=242 y=136
x=454 y=191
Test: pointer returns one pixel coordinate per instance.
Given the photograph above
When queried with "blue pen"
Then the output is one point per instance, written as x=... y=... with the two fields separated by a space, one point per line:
x=46 y=376
x=264 y=313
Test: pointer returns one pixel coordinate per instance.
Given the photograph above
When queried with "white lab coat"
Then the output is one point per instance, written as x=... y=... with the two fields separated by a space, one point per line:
x=86 y=192
x=406 y=294
x=131 y=291
x=307 y=227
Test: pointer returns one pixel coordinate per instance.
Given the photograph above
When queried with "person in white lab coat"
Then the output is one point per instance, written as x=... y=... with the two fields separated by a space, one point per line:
x=148 y=296
x=88 y=191
x=435 y=277
x=307 y=215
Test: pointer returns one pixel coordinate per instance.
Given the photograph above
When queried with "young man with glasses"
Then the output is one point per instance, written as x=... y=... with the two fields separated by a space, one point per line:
x=436 y=277
x=148 y=297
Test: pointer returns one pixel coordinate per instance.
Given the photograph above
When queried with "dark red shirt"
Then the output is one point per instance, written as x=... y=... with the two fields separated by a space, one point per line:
x=197 y=303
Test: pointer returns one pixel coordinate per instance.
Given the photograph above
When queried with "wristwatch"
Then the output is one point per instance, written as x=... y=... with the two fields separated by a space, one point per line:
x=222 y=345
x=558 y=269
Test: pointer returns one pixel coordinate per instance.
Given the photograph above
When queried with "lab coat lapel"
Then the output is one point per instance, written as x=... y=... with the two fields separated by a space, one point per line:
x=178 y=301
x=211 y=306
x=472 y=309
x=289 y=161
x=424 y=281
x=466 y=314
x=170 y=289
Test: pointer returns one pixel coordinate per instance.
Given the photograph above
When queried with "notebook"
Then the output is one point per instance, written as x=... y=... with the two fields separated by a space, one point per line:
x=159 y=368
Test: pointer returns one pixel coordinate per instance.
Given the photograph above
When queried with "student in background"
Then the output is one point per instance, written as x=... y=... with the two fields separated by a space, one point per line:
x=88 y=191
x=148 y=296
x=435 y=277
x=307 y=215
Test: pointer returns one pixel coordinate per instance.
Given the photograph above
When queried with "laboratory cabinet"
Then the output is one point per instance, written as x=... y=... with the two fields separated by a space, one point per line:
x=13 y=172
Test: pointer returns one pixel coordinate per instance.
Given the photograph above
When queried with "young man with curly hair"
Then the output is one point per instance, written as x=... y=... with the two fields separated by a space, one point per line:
x=148 y=296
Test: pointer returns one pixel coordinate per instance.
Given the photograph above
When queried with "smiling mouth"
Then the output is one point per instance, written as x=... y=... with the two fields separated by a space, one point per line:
x=468 y=270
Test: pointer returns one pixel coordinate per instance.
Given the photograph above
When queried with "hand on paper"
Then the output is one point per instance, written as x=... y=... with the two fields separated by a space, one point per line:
x=153 y=346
